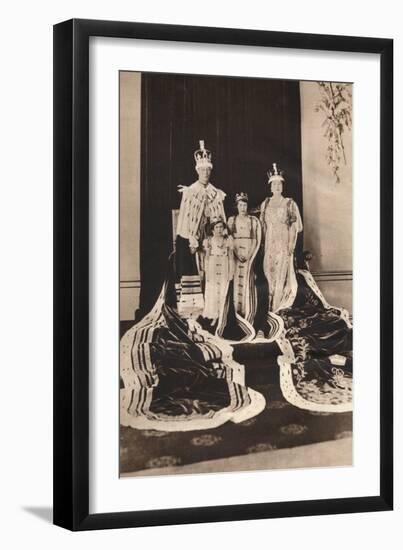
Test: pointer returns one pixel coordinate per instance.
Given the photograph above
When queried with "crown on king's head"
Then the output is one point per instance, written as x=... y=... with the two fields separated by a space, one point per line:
x=275 y=173
x=241 y=197
x=202 y=156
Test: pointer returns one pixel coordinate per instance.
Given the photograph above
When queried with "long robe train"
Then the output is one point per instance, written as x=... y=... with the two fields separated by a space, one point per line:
x=316 y=365
x=231 y=326
x=178 y=377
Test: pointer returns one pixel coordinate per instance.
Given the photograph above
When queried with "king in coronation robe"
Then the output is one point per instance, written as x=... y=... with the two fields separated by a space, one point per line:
x=175 y=375
x=201 y=202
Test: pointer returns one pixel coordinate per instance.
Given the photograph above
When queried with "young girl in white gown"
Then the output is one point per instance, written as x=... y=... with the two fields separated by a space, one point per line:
x=247 y=234
x=218 y=269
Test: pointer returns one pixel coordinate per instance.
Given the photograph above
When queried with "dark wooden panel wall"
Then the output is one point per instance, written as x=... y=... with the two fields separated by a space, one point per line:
x=247 y=124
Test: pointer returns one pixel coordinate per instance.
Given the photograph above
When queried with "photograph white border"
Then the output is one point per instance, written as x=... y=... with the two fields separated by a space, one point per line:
x=108 y=493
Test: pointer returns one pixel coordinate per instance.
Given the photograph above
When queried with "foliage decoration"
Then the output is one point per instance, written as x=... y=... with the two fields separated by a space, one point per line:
x=336 y=105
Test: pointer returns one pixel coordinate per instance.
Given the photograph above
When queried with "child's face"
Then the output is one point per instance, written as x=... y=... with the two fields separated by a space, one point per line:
x=218 y=229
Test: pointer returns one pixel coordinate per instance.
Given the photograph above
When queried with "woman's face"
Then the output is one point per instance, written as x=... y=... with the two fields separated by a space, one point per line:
x=277 y=187
x=218 y=230
x=242 y=207
x=204 y=174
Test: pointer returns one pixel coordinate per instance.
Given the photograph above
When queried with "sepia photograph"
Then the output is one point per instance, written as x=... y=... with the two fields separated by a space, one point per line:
x=236 y=274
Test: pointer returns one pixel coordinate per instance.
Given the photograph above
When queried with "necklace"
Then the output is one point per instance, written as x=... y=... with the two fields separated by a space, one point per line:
x=248 y=221
x=217 y=241
x=275 y=202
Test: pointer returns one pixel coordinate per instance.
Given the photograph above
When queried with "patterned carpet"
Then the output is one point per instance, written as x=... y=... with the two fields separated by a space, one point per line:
x=279 y=426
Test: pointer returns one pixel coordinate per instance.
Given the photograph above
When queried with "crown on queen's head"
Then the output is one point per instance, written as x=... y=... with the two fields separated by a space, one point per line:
x=202 y=156
x=275 y=173
x=241 y=197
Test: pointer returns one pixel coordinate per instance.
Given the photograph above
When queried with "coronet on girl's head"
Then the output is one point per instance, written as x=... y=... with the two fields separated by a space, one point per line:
x=217 y=227
x=241 y=202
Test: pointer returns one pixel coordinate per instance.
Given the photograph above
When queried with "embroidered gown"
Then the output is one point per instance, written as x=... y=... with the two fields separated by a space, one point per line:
x=247 y=234
x=278 y=264
x=219 y=270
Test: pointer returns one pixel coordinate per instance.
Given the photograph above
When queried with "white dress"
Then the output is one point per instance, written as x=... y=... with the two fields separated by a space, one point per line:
x=246 y=232
x=281 y=224
x=218 y=267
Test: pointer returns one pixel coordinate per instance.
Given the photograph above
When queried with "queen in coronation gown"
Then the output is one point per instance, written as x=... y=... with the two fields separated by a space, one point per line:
x=281 y=223
x=247 y=235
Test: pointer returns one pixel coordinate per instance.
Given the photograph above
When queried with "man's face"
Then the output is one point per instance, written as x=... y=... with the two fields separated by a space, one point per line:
x=204 y=174
x=242 y=207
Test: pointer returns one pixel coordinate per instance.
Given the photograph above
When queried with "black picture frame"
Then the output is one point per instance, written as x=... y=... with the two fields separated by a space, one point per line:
x=71 y=274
